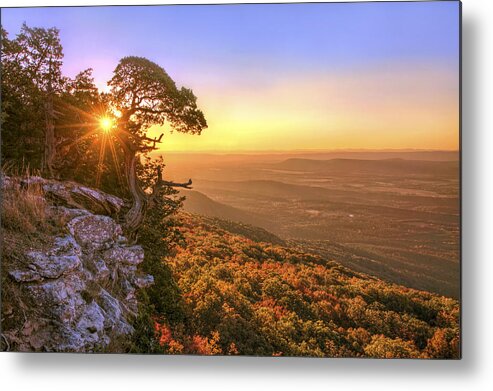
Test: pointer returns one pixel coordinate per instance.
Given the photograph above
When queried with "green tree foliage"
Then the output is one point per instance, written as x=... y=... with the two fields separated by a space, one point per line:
x=50 y=122
x=31 y=81
x=158 y=233
x=45 y=114
x=143 y=95
x=22 y=109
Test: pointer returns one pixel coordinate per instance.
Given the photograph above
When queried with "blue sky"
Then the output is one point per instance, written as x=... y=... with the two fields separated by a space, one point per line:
x=222 y=48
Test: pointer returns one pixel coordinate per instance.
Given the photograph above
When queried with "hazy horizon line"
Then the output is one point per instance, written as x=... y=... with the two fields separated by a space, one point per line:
x=348 y=150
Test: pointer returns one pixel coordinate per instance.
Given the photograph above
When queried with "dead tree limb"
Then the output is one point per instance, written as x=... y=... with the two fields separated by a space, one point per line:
x=186 y=185
x=142 y=201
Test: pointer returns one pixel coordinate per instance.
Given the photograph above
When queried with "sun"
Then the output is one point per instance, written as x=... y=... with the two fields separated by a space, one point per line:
x=106 y=124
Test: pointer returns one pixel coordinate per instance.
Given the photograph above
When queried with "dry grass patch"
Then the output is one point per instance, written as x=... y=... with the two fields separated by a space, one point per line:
x=24 y=210
x=27 y=224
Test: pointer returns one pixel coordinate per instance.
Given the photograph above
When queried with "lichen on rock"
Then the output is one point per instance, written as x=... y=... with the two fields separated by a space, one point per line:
x=77 y=196
x=82 y=289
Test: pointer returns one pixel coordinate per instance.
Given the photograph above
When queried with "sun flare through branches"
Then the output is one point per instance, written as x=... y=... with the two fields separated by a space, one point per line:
x=106 y=124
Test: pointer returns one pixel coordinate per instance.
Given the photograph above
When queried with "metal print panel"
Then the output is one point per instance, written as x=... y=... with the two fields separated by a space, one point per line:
x=265 y=179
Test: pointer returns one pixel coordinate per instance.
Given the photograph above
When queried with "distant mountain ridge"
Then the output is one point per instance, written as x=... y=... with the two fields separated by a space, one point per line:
x=390 y=166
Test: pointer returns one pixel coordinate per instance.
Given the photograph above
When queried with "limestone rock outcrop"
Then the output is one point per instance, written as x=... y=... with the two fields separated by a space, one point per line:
x=81 y=290
x=77 y=196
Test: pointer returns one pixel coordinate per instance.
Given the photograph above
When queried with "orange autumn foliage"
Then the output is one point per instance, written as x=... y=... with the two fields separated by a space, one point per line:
x=257 y=298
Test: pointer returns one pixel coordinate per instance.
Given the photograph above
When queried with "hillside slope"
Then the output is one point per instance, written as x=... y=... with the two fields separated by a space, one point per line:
x=198 y=203
x=396 y=219
x=245 y=297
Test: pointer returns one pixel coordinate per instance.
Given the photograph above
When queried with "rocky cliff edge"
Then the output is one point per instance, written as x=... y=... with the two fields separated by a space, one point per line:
x=77 y=293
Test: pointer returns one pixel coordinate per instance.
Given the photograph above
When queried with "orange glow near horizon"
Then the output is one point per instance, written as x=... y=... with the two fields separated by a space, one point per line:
x=405 y=107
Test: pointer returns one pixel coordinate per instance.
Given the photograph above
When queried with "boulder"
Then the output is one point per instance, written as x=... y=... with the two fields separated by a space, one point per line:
x=114 y=319
x=61 y=298
x=94 y=232
x=62 y=258
x=74 y=195
x=101 y=271
x=91 y=322
x=124 y=255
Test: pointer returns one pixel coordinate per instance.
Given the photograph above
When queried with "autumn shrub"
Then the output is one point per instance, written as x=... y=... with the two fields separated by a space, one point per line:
x=443 y=344
x=384 y=347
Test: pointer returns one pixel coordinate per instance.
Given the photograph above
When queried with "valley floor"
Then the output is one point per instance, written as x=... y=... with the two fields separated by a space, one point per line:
x=397 y=219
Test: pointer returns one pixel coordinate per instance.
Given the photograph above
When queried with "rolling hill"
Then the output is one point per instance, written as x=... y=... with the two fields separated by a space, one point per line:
x=198 y=203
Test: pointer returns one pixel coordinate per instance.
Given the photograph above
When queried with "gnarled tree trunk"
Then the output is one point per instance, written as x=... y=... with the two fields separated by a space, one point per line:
x=141 y=201
x=135 y=216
